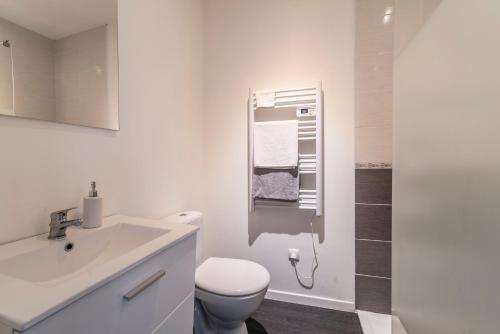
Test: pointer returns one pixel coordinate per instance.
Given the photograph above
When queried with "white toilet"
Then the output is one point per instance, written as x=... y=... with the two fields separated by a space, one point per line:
x=228 y=291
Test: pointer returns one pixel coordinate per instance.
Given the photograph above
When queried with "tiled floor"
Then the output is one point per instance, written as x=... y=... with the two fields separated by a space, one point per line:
x=285 y=318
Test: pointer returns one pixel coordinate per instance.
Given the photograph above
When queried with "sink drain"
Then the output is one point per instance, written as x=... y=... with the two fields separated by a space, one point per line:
x=69 y=247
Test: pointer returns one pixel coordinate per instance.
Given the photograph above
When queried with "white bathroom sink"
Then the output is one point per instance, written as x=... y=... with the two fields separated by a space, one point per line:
x=38 y=276
x=79 y=252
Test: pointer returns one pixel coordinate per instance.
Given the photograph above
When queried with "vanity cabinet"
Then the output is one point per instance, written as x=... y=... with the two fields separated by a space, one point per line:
x=160 y=293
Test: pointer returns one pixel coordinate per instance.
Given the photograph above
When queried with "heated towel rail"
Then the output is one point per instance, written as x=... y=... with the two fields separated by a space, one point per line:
x=310 y=129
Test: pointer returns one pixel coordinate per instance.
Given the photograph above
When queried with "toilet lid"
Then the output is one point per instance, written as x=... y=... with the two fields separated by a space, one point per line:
x=231 y=277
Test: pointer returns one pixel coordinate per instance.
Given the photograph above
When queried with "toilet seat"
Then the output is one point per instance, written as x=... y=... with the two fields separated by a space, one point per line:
x=231 y=277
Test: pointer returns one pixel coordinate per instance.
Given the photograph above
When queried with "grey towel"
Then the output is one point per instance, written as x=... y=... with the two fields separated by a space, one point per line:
x=275 y=184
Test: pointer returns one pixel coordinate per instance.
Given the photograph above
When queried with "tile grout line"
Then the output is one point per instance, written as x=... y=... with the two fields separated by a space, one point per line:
x=382 y=204
x=373 y=276
x=375 y=240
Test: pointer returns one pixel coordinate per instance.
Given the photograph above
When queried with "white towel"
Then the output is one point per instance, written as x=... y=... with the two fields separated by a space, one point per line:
x=276 y=144
x=265 y=100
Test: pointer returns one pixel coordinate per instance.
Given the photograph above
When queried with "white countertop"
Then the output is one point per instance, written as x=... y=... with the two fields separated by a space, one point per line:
x=23 y=303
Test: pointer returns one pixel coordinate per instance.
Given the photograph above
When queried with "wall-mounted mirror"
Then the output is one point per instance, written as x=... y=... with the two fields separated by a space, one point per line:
x=59 y=61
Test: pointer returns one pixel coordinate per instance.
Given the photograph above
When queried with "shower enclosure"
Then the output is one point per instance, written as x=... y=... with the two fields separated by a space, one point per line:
x=446 y=230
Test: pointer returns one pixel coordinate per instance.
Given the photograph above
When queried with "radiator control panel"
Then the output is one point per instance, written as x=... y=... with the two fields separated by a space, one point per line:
x=306 y=112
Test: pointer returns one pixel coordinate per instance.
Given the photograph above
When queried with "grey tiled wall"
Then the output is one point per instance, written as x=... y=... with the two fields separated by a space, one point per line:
x=373 y=239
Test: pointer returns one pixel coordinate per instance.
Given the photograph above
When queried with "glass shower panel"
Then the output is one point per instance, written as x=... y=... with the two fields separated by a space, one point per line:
x=446 y=231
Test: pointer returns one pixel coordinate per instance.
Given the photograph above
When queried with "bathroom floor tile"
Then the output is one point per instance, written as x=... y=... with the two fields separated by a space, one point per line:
x=286 y=318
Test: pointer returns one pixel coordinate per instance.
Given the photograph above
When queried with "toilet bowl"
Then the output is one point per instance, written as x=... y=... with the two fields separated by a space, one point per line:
x=227 y=291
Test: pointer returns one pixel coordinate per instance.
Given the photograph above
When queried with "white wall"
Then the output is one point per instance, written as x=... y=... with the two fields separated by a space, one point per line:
x=264 y=44
x=446 y=172
x=151 y=166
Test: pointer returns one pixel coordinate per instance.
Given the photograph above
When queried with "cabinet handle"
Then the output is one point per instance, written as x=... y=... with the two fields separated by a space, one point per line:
x=143 y=286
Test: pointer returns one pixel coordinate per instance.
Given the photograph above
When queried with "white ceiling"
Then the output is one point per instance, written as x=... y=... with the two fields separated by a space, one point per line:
x=58 y=18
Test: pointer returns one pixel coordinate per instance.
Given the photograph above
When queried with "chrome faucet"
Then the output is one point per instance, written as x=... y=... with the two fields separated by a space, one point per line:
x=59 y=224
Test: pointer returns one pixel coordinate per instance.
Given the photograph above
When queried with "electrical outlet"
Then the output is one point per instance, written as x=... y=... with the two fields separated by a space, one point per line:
x=294 y=254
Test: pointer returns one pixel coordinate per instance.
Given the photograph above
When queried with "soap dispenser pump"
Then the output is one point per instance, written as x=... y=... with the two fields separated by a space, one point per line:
x=92 y=208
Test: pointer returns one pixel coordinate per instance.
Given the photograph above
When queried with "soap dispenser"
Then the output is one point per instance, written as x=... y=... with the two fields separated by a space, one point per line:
x=92 y=208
